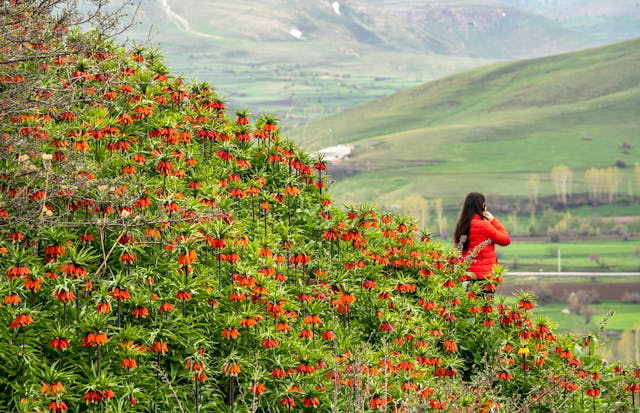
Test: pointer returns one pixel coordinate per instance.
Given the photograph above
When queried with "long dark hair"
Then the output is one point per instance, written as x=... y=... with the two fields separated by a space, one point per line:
x=474 y=204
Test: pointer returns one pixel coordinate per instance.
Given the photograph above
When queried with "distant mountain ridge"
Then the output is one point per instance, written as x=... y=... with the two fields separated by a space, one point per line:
x=306 y=59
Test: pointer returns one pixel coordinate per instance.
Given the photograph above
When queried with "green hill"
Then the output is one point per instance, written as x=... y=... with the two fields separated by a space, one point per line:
x=489 y=129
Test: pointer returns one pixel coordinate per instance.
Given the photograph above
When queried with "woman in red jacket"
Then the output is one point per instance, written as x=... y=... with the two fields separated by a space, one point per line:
x=475 y=226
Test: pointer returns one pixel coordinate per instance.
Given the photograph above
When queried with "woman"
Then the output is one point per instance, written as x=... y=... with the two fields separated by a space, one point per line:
x=475 y=226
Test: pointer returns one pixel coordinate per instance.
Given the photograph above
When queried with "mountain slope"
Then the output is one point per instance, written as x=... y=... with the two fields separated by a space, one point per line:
x=492 y=126
x=307 y=59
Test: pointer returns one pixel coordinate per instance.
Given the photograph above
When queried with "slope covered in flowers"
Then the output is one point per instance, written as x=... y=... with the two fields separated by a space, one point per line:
x=159 y=253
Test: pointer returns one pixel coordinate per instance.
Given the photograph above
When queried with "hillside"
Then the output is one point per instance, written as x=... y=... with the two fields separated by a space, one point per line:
x=489 y=129
x=162 y=254
x=306 y=59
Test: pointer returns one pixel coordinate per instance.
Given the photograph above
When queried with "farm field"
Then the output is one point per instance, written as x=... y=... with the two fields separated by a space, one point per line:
x=627 y=316
x=620 y=341
x=597 y=256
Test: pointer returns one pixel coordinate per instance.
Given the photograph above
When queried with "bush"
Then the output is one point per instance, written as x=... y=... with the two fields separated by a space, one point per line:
x=163 y=255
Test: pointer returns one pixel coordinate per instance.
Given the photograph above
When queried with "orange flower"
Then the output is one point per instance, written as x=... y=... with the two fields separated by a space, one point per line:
x=166 y=307
x=94 y=340
x=183 y=295
x=306 y=334
x=188 y=258
x=159 y=347
x=92 y=397
x=52 y=388
x=231 y=369
x=386 y=326
x=59 y=343
x=283 y=327
x=58 y=406
x=248 y=322
x=288 y=402
x=328 y=335
x=12 y=299
x=237 y=297
x=258 y=389
x=314 y=320
x=103 y=307
x=21 y=320
x=230 y=333
x=278 y=373
x=165 y=167
x=450 y=346
x=128 y=363
x=32 y=284
x=128 y=258
x=593 y=392
x=141 y=312
x=291 y=190
x=269 y=343
x=120 y=294
x=311 y=402
x=17 y=272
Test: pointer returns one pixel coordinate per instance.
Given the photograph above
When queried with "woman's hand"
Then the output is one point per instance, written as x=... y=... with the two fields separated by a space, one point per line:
x=488 y=215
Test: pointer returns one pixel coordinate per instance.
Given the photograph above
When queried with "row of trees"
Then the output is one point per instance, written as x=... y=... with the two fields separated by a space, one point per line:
x=603 y=184
x=423 y=209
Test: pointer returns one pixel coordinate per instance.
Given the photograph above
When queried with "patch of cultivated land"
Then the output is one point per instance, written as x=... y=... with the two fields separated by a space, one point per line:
x=597 y=256
x=627 y=316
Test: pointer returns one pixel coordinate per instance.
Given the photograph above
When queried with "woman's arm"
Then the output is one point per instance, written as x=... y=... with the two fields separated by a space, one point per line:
x=496 y=232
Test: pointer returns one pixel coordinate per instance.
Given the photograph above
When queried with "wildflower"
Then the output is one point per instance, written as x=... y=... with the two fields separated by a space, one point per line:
x=258 y=389
x=159 y=347
x=94 y=340
x=593 y=392
x=231 y=369
x=230 y=333
x=59 y=343
x=58 y=406
x=21 y=320
x=140 y=312
x=128 y=363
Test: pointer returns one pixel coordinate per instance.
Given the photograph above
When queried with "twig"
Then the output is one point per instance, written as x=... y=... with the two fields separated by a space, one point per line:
x=165 y=378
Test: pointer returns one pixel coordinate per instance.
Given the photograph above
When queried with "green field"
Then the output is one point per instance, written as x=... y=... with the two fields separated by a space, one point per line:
x=621 y=338
x=575 y=256
x=627 y=316
x=490 y=129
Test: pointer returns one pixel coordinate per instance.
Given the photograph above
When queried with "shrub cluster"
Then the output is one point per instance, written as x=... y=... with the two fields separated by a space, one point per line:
x=158 y=254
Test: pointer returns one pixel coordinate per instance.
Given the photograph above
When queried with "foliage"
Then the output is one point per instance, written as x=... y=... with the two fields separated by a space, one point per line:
x=159 y=255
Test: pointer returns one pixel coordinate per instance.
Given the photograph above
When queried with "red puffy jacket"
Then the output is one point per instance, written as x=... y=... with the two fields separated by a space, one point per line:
x=479 y=231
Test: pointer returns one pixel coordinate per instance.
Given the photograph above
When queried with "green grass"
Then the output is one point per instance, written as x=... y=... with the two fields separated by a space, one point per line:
x=491 y=128
x=627 y=316
x=576 y=256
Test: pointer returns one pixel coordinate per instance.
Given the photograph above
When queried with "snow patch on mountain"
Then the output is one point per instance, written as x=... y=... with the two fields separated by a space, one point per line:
x=181 y=22
x=336 y=7
x=295 y=33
